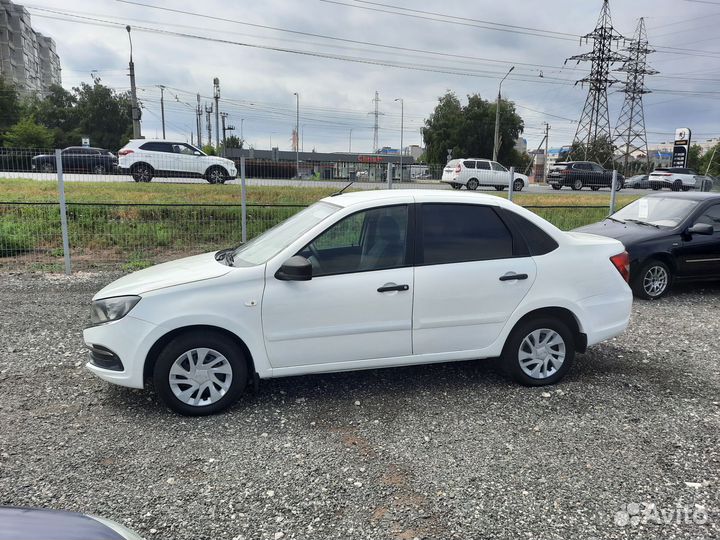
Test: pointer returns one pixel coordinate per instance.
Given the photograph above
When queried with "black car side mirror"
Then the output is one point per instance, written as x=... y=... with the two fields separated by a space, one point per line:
x=296 y=268
x=701 y=228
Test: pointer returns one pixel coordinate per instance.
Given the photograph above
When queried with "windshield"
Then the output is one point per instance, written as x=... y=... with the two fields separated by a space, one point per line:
x=660 y=211
x=262 y=248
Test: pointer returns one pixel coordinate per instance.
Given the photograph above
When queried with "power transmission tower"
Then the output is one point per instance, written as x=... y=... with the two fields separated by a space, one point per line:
x=377 y=114
x=630 y=134
x=595 y=120
x=208 y=119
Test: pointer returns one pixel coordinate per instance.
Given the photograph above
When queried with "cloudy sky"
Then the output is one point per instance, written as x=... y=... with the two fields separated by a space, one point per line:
x=264 y=51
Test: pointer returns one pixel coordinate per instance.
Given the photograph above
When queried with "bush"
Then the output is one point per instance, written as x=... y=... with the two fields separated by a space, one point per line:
x=14 y=239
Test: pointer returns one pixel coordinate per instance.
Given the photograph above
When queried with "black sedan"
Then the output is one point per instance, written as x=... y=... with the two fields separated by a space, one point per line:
x=42 y=524
x=78 y=159
x=669 y=237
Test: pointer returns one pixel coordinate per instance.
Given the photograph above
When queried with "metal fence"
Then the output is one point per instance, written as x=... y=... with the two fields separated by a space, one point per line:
x=113 y=218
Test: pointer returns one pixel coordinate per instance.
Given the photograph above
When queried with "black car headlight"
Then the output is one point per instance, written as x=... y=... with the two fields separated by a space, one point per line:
x=111 y=309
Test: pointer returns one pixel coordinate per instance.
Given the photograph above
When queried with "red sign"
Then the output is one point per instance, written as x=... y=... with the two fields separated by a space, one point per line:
x=370 y=159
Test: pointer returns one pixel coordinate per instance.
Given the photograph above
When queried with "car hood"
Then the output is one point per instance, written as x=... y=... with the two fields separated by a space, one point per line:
x=169 y=274
x=39 y=523
x=627 y=233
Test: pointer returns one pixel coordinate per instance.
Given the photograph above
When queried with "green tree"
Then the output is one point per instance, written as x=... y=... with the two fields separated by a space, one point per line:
x=600 y=151
x=710 y=161
x=209 y=150
x=57 y=112
x=470 y=130
x=693 y=161
x=28 y=134
x=103 y=115
x=9 y=105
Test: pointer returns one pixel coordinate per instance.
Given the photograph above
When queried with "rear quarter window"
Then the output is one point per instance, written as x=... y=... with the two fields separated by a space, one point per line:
x=538 y=241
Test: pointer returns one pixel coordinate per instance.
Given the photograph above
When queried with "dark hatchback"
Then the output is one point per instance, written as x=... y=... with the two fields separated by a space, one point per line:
x=578 y=174
x=18 y=523
x=78 y=159
x=670 y=237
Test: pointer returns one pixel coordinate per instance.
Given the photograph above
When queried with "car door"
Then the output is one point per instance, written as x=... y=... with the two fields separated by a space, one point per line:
x=358 y=304
x=185 y=162
x=598 y=176
x=484 y=173
x=469 y=278
x=699 y=255
x=70 y=159
x=501 y=176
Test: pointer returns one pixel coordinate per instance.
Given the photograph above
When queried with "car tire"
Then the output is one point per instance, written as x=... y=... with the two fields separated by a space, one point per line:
x=216 y=175
x=227 y=374
x=142 y=172
x=677 y=185
x=556 y=187
x=653 y=281
x=499 y=188
x=595 y=188
x=98 y=169
x=518 y=185
x=456 y=186
x=522 y=356
x=47 y=168
x=655 y=188
x=472 y=184
x=577 y=185
x=686 y=188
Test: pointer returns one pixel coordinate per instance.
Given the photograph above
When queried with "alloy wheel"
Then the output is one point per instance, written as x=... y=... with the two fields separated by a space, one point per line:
x=541 y=353
x=200 y=377
x=216 y=176
x=655 y=281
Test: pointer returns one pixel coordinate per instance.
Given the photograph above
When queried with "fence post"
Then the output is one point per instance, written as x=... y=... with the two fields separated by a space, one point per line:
x=613 y=191
x=389 y=175
x=510 y=186
x=243 y=200
x=63 y=212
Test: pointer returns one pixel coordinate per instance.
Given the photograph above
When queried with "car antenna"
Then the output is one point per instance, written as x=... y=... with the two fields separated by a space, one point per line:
x=343 y=189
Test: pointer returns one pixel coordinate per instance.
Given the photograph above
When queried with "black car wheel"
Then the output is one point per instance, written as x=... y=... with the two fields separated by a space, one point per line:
x=556 y=186
x=142 y=173
x=456 y=186
x=577 y=185
x=47 y=168
x=472 y=184
x=98 y=169
x=216 y=175
x=686 y=188
x=499 y=188
x=518 y=185
x=595 y=188
x=653 y=281
x=677 y=185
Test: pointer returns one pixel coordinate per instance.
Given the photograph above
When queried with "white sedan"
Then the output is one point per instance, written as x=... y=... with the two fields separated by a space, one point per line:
x=360 y=281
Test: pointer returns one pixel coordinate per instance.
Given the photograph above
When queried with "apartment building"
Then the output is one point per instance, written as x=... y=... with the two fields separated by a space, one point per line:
x=28 y=59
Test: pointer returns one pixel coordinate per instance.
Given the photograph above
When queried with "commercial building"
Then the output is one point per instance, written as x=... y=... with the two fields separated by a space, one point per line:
x=28 y=59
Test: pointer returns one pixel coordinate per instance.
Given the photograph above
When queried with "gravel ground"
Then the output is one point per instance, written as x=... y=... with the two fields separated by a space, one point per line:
x=444 y=451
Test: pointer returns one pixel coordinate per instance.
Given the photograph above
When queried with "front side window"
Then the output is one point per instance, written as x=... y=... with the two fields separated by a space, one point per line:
x=451 y=233
x=711 y=216
x=497 y=167
x=374 y=239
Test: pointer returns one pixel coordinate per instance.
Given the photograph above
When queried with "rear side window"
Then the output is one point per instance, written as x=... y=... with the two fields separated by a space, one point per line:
x=484 y=165
x=469 y=164
x=157 y=147
x=452 y=233
x=538 y=241
x=583 y=166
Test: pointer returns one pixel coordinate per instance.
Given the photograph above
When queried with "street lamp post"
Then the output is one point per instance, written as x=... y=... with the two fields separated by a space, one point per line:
x=350 y=143
x=297 y=133
x=496 y=146
x=402 y=129
x=137 y=134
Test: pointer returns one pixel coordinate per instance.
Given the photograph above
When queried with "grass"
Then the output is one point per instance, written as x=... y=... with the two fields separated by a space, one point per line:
x=133 y=237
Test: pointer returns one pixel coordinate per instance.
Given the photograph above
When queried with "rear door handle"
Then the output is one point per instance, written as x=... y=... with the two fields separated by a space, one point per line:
x=510 y=277
x=389 y=288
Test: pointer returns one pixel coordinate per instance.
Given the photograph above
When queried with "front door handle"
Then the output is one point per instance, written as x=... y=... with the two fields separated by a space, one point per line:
x=389 y=288
x=510 y=277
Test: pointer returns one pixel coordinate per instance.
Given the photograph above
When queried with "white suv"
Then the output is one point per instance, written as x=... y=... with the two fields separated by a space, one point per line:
x=474 y=172
x=677 y=178
x=145 y=159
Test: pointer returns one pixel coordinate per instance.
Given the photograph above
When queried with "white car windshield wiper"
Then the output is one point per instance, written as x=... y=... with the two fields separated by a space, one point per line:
x=641 y=222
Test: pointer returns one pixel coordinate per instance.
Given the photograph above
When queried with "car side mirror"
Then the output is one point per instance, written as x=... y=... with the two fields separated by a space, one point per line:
x=701 y=228
x=296 y=268
x=196 y=153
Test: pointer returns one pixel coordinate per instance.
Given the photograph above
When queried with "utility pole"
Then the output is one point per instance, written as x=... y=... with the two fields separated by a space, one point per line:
x=136 y=114
x=630 y=133
x=162 y=107
x=199 y=113
x=546 y=165
x=208 y=120
x=350 y=143
x=297 y=133
x=402 y=129
x=225 y=129
x=594 y=122
x=216 y=94
x=242 y=136
x=496 y=146
x=377 y=114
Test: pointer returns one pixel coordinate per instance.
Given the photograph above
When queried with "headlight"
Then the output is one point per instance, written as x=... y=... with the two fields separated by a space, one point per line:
x=112 y=309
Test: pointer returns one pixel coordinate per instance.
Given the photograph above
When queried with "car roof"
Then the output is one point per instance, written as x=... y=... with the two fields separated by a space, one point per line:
x=688 y=195
x=419 y=195
x=143 y=141
x=45 y=524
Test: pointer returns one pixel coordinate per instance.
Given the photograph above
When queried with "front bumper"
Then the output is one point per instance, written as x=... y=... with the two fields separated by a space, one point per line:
x=125 y=344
